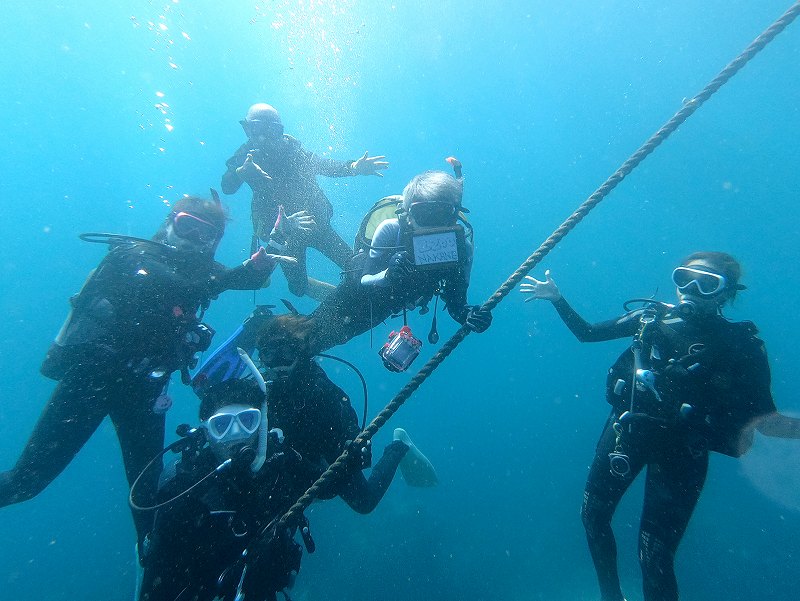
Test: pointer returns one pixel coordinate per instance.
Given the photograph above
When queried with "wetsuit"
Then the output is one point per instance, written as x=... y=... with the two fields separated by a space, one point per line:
x=200 y=536
x=712 y=378
x=133 y=324
x=294 y=172
x=357 y=305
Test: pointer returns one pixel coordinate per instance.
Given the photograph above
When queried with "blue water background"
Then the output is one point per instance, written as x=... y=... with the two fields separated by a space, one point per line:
x=541 y=101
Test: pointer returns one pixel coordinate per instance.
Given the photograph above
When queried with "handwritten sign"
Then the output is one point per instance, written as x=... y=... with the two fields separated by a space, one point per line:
x=432 y=249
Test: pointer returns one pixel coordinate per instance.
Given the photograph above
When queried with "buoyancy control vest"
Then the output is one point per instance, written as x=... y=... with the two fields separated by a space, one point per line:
x=706 y=376
x=139 y=305
x=391 y=207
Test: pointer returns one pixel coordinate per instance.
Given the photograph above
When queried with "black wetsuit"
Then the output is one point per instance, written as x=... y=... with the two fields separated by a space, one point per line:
x=203 y=533
x=294 y=185
x=133 y=324
x=718 y=371
x=355 y=307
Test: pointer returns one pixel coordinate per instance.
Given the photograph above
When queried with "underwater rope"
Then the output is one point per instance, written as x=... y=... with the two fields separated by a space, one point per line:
x=688 y=108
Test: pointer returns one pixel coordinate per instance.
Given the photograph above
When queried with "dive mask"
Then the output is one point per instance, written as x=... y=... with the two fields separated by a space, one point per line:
x=193 y=228
x=232 y=426
x=706 y=283
x=269 y=129
x=433 y=214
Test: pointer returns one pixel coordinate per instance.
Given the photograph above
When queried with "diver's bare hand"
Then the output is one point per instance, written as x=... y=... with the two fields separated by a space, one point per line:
x=546 y=290
x=302 y=221
x=368 y=165
x=251 y=172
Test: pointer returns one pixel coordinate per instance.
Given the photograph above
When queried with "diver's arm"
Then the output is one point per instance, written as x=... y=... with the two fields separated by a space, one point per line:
x=242 y=277
x=362 y=494
x=455 y=298
x=622 y=327
x=231 y=180
x=385 y=243
x=327 y=166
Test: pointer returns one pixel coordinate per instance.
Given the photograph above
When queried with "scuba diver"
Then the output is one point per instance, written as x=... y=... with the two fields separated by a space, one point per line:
x=137 y=319
x=261 y=445
x=691 y=382
x=421 y=253
x=280 y=172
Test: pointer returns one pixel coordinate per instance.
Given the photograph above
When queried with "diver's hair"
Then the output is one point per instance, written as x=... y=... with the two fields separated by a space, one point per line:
x=209 y=210
x=433 y=186
x=724 y=263
x=238 y=391
x=296 y=331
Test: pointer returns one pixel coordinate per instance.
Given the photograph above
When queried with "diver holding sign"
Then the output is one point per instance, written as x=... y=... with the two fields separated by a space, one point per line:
x=424 y=252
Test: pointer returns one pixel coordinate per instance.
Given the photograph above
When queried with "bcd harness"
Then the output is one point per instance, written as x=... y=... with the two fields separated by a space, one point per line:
x=680 y=378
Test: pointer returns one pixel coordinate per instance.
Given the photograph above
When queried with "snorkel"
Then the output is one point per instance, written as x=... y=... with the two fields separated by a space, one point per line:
x=261 y=452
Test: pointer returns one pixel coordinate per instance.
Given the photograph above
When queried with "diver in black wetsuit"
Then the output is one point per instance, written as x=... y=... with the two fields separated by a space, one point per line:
x=135 y=321
x=395 y=279
x=197 y=541
x=692 y=382
x=283 y=175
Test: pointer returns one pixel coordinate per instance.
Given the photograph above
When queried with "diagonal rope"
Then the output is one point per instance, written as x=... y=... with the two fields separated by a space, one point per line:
x=686 y=111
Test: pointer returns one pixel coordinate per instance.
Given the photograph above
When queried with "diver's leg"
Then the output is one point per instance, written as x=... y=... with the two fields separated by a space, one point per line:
x=600 y=499
x=296 y=273
x=331 y=244
x=673 y=487
x=75 y=409
x=348 y=311
x=362 y=494
x=141 y=438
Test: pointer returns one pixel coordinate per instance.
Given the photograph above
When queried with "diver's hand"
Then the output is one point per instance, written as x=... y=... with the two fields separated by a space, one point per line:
x=478 y=320
x=359 y=458
x=546 y=290
x=368 y=165
x=262 y=261
x=400 y=268
x=287 y=225
x=251 y=172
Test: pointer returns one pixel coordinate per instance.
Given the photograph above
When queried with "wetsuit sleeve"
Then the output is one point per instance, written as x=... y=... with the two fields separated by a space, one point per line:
x=362 y=494
x=455 y=293
x=231 y=182
x=241 y=277
x=755 y=379
x=385 y=243
x=326 y=166
x=622 y=327
x=338 y=415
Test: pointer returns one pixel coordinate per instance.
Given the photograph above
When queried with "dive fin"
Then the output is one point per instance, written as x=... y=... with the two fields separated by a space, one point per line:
x=225 y=363
x=417 y=470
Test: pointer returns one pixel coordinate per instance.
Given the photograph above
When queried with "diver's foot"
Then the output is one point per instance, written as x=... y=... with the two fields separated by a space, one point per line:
x=417 y=469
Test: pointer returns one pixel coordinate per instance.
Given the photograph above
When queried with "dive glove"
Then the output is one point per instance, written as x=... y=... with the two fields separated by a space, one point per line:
x=478 y=319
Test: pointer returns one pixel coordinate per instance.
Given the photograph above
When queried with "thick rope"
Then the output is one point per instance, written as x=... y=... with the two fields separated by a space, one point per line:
x=689 y=107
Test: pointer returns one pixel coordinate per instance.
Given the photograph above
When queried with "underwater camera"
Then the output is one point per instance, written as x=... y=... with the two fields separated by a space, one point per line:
x=400 y=350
